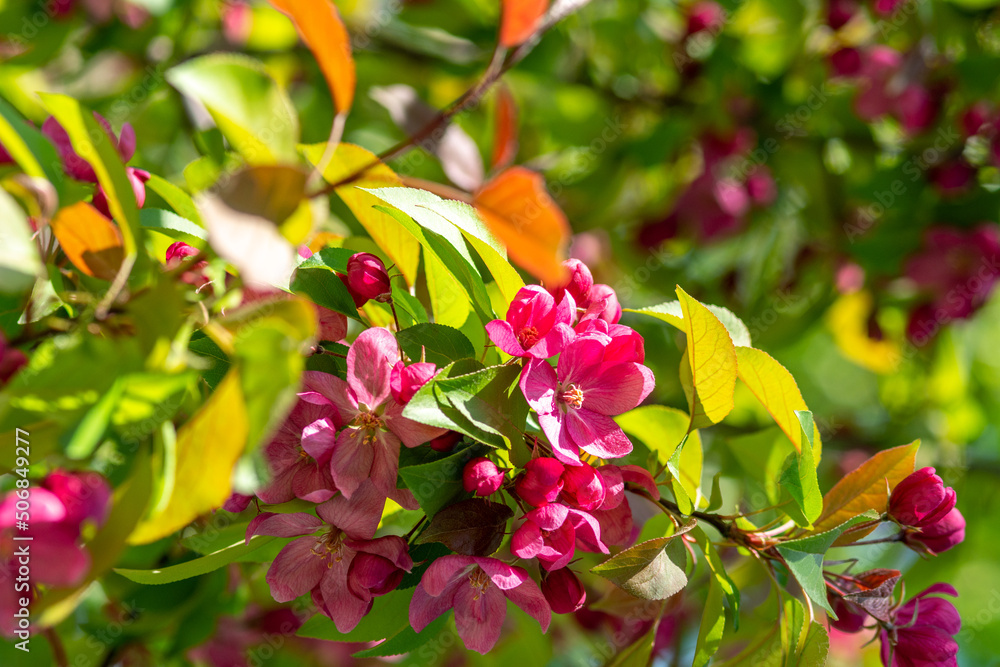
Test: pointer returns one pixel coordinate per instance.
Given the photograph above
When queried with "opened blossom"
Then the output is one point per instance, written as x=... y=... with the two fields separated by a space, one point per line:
x=477 y=589
x=577 y=401
x=335 y=557
x=368 y=447
x=550 y=533
x=921 y=632
x=299 y=455
x=536 y=325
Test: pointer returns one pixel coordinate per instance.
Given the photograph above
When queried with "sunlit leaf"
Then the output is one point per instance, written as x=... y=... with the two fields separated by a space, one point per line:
x=712 y=360
x=672 y=313
x=652 y=570
x=20 y=263
x=323 y=31
x=777 y=391
x=208 y=447
x=198 y=566
x=92 y=242
x=519 y=19
x=518 y=209
x=799 y=477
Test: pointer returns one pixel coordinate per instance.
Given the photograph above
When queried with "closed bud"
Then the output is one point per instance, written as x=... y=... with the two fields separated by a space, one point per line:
x=578 y=282
x=564 y=591
x=541 y=482
x=446 y=442
x=367 y=278
x=583 y=487
x=938 y=537
x=850 y=617
x=482 y=476
x=405 y=381
x=921 y=499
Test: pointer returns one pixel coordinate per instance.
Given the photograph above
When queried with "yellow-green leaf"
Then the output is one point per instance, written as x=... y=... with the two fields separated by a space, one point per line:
x=401 y=247
x=712 y=359
x=208 y=447
x=777 y=391
x=866 y=488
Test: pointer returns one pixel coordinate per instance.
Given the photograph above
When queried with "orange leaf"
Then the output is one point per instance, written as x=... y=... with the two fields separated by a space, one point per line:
x=517 y=208
x=866 y=488
x=92 y=242
x=324 y=33
x=505 y=129
x=519 y=20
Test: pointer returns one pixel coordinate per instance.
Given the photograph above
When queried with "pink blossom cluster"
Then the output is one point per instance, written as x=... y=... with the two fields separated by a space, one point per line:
x=54 y=514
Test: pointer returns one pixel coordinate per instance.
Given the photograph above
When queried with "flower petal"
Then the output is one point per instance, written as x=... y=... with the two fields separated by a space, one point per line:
x=442 y=571
x=617 y=388
x=424 y=607
x=597 y=434
x=295 y=571
x=503 y=336
x=479 y=617
x=412 y=433
x=351 y=463
x=369 y=366
x=529 y=598
x=321 y=388
x=538 y=384
x=553 y=342
x=282 y=525
x=503 y=575
x=359 y=515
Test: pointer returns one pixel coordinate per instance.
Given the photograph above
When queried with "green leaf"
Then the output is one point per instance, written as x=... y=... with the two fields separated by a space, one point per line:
x=409 y=305
x=28 y=147
x=172 y=225
x=719 y=573
x=405 y=641
x=713 y=624
x=245 y=102
x=387 y=618
x=438 y=484
x=715 y=499
x=652 y=570
x=672 y=313
x=799 y=477
x=442 y=344
x=88 y=434
x=771 y=34
x=198 y=566
x=804 y=557
x=664 y=431
x=176 y=198
x=20 y=264
x=711 y=385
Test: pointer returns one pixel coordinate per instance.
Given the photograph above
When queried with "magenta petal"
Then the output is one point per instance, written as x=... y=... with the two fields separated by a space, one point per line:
x=588 y=530
x=329 y=390
x=614 y=486
x=369 y=366
x=392 y=548
x=529 y=598
x=479 y=617
x=442 y=571
x=351 y=462
x=313 y=482
x=538 y=384
x=296 y=570
x=410 y=432
x=553 y=342
x=56 y=559
x=641 y=477
x=282 y=525
x=346 y=609
x=385 y=464
x=563 y=447
x=582 y=358
x=617 y=388
x=319 y=439
x=503 y=575
x=424 y=607
x=279 y=489
x=45 y=507
x=527 y=542
x=359 y=515
x=597 y=434
x=503 y=336
x=549 y=517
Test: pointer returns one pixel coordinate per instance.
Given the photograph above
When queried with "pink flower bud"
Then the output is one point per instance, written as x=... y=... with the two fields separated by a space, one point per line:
x=85 y=495
x=921 y=499
x=846 y=62
x=375 y=573
x=941 y=536
x=137 y=179
x=760 y=187
x=705 y=15
x=578 y=283
x=583 y=487
x=358 y=299
x=975 y=117
x=850 y=617
x=541 y=482
x=177 y=252
x=446 y=442
x=405 y=381
x=236 y=503
x=916 y=107
x=367 y=277
x=840 y=12
x=564 y=591
x=602 y=304
x=482 y=476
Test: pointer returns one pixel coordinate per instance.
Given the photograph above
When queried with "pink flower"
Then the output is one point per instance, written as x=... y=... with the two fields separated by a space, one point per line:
x=367 y=278
x=921 y=499
x=563 y=591
x=368 y=448
x=299 y=455
x=602 y=304
x=705 y=15
x=921 y=632
x=137 y=179
x=75 y=166
x=478 y=590
x=332 y=325
x=337 y=560
x=626 y=343
x=536 y=326
x=550 y=533
x=940 y=536
x=615 y=514
x=576 y=402
x=541 y=482
x=406 y=381
x=482 y=476
x=578 y=283
x=12 y=360
x=85 y=495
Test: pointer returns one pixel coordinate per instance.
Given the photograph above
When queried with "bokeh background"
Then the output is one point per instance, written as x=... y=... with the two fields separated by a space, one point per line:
x=827 y=169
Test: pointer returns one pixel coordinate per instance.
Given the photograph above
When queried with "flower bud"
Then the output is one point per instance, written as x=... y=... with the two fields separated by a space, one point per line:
x=578 y=283
x=921 y=499
x=446 y=442
x=541 y=482
x=405 y=381
x=367 y=278
x=564 y=591
x=375 y=573
x=137 y=179
x=11 y=361
x=482 y=476
x=850 y=617
x=938 y=537
x=705 y=15
x=602 y=304
x=583 y=487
